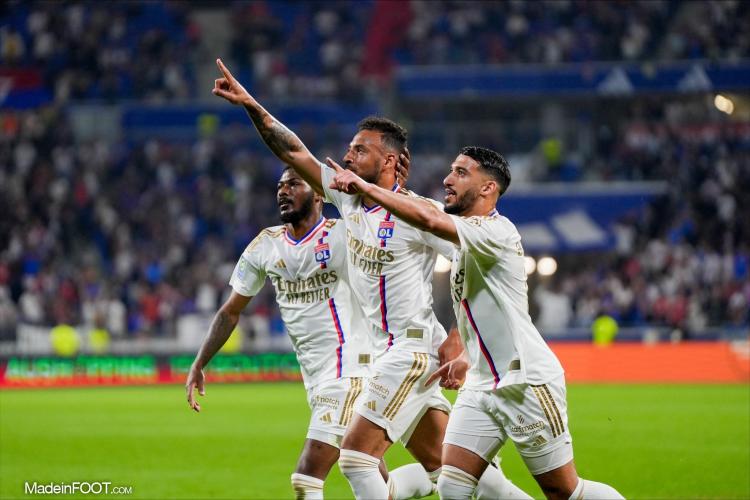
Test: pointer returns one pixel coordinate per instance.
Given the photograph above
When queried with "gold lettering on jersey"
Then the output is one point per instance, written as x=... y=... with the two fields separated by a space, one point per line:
x=312 y=297
x=368 y=258
x=310 y=290
x=519 y=248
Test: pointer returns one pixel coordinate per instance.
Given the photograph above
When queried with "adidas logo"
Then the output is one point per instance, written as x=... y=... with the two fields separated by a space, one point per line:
x=539 y=441
x=371 y=405
x=354 y=218
x=280 y=264
x=326 y=418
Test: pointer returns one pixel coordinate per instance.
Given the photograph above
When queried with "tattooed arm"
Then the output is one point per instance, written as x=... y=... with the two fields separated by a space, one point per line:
x=221 y=328
x=280 y=140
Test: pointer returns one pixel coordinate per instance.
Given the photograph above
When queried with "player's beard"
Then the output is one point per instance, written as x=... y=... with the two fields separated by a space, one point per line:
x=294 y=216
x=368 y=175
x=463 y=203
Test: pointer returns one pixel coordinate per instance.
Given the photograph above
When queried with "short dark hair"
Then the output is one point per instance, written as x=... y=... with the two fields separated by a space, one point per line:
x=394 y=135
x=491 y=162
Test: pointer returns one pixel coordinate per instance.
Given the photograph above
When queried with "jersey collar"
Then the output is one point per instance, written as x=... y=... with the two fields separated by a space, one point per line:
x=370 y=210
x=307 y=237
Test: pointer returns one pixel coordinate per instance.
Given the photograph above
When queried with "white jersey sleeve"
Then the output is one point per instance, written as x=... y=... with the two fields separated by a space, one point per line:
x=249 y=274
x=442 y=246
x=336 y=198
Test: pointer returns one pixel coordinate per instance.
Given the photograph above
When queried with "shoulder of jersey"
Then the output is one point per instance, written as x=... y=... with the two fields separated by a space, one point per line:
x=329 y=223
x=412 y=194
x=269 y=232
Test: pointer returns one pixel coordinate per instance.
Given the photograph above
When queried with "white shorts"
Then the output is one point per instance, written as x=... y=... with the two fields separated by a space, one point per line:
x=396 y=397
x=332 y=404
x=535 y=418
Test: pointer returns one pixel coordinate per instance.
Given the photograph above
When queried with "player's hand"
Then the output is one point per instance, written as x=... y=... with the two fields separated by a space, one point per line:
x=451 y=375
x=195 y=379
x=402 y=167
x=229 y=88
x=451 y=348
x=345 y=181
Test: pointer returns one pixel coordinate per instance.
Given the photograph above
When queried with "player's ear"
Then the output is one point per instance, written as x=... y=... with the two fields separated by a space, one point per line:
x=390 y=161
x=489 y=188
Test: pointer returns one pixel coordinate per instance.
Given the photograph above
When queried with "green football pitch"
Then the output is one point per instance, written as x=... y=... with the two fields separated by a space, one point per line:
x=648 y=441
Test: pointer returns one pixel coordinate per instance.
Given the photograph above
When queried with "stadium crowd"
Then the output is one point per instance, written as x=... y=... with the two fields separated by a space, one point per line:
x=684 y=262
x=126 y=237
x=108 y=51
x=342 y=49
x=131 y=236
x=148 y=50
x=553 y=32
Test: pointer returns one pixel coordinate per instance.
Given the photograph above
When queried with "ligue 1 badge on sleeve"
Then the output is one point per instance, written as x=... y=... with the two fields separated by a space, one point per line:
x=385 y=230
x=242 y=268
x=322 y=253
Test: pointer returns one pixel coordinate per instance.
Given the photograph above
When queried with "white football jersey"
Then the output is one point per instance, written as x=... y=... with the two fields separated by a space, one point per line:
x=489 y=290
x=390 y=271
x=324 y=322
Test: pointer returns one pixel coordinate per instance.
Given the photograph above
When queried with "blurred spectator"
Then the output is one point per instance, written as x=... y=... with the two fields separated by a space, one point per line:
x=95 y=50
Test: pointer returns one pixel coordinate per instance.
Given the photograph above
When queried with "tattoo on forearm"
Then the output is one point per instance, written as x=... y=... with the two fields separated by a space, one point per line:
x=277 y=137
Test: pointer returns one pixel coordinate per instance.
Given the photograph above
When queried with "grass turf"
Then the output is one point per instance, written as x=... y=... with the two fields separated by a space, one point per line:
x=648 y=441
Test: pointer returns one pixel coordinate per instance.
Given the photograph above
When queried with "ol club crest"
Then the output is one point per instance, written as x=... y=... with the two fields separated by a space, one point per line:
x=322 y=252
x=385 y=230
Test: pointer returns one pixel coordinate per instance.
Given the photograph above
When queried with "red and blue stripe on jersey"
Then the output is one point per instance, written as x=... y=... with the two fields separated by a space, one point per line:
x=482 y=346
x=382 y=283
x=384 y=312
x=340 y=334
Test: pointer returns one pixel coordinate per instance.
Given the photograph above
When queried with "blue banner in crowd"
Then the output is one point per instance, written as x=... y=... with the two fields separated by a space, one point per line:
x=568 y=218
x=605 y=79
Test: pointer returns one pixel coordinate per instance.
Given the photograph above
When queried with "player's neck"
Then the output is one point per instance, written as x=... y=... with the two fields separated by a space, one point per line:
x=299 y=229
x=481 y=209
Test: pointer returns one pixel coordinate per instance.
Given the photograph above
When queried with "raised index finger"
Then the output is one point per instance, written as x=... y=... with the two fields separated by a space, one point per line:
x=224 y=70
x=334 y=165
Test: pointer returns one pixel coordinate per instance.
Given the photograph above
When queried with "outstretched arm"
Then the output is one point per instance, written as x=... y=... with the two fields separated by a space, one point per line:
x=221 y=328
x=419 y=213
x=279 y=139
